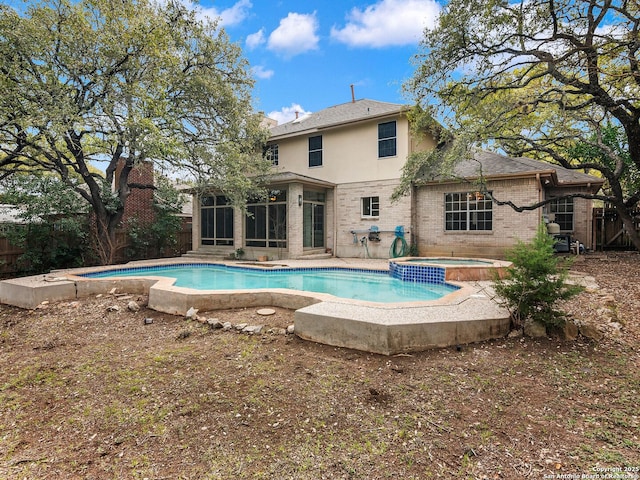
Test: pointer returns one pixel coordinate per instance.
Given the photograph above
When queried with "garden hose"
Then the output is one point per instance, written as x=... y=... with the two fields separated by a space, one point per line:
x=399 y=245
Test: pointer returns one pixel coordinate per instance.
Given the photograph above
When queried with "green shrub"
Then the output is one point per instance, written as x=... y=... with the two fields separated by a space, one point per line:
x=535 y=282
x=53 y=231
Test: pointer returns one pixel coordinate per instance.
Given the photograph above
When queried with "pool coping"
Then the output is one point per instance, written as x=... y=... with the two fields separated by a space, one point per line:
x=467 y=315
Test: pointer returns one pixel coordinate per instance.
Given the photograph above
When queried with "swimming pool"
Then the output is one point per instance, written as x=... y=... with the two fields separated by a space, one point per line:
x=358 y=284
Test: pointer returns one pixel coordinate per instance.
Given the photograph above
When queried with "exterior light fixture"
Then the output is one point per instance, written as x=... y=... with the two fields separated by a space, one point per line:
x=299 y=200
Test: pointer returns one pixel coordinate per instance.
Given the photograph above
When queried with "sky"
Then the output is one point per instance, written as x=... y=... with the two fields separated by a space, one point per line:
x=306 y=54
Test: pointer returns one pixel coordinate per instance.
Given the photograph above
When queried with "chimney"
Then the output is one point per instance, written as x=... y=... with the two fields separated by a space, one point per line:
x=353 y=94
x=297 y=113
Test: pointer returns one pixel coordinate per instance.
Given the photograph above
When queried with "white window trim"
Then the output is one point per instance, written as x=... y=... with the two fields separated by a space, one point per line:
x=395 y=138
x=468 y=214
x=371 y=203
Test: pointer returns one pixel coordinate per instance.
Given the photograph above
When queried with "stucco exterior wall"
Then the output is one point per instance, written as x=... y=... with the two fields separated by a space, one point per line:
x=508 y=225
x=349 y=154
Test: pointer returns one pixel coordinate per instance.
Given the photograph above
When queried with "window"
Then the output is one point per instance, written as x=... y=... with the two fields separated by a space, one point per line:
x=216 y=221
x=370 y=207
x=468 y=211
x=272 y=153
x=562 y=210
x=266 y=224
x=387 y=139
x=315 y=151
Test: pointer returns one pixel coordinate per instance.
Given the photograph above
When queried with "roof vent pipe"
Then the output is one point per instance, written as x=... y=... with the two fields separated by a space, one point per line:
x=353 y=94
x=297 y=113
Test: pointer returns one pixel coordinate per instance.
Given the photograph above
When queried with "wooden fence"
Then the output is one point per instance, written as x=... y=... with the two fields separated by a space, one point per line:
x=609 y=231
x=9 y=255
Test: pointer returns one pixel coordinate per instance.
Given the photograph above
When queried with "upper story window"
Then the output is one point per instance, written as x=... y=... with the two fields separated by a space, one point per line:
x=272 y=153
x=370 y=207
x=562 y=210
x=315 y=151
x=468 y=211
x=387 y=139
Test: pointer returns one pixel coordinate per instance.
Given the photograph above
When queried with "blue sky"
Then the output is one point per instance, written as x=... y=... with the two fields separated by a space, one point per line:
x=306 y=54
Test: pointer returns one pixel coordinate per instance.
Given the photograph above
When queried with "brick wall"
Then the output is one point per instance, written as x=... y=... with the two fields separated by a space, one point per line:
x=582 y=218
x=508 y=225
x=348 y=199
x=139 y=204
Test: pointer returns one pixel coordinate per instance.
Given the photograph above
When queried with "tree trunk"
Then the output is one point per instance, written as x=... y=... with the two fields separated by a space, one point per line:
x=106 y=221
x=104 y=239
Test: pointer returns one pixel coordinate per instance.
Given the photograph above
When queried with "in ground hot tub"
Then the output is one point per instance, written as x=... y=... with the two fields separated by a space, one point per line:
x=444 y=269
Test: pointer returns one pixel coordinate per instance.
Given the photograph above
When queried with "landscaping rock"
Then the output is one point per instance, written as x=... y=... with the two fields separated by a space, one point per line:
x=614 y=328
x=535 y=329
x=277 y=331
x=253 y=329
x=569 y=330
x=227 y=326
x=113 y=308
x=291 y=329
x=215 y=323
x=192 y=313
x=517 y=333
x=241 y=326
x=607 y=299
x=133 y=306
x=591 y=332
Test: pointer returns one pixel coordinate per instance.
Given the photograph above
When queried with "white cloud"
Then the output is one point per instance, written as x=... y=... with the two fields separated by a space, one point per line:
x=388 y=22
x=229 y=16
x=286 y=114
x=255 y=39
x=296 y=34
x=261 y=72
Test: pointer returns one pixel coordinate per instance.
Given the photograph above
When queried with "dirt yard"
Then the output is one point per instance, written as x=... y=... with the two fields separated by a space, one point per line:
x=91 y=391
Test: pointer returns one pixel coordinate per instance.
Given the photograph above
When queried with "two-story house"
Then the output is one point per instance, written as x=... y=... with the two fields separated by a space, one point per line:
x=335 y=171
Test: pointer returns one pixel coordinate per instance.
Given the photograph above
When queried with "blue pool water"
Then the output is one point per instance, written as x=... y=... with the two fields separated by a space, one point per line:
x=372 y=286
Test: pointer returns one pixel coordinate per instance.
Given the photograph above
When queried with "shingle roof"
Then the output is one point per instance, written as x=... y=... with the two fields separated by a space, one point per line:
x=338 y=115
x=496 y=165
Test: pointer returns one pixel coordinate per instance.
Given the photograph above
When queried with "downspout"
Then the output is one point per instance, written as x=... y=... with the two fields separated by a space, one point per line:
x=196 y=230
x=413 y=234
x=540 y=189
x=335 y=221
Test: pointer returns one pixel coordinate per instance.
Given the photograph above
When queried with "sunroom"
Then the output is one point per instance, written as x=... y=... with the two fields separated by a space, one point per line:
x=294 y=220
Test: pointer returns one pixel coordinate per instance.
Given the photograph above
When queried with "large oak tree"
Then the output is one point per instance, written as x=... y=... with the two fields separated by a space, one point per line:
x=105 y=83
x=556 y=80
